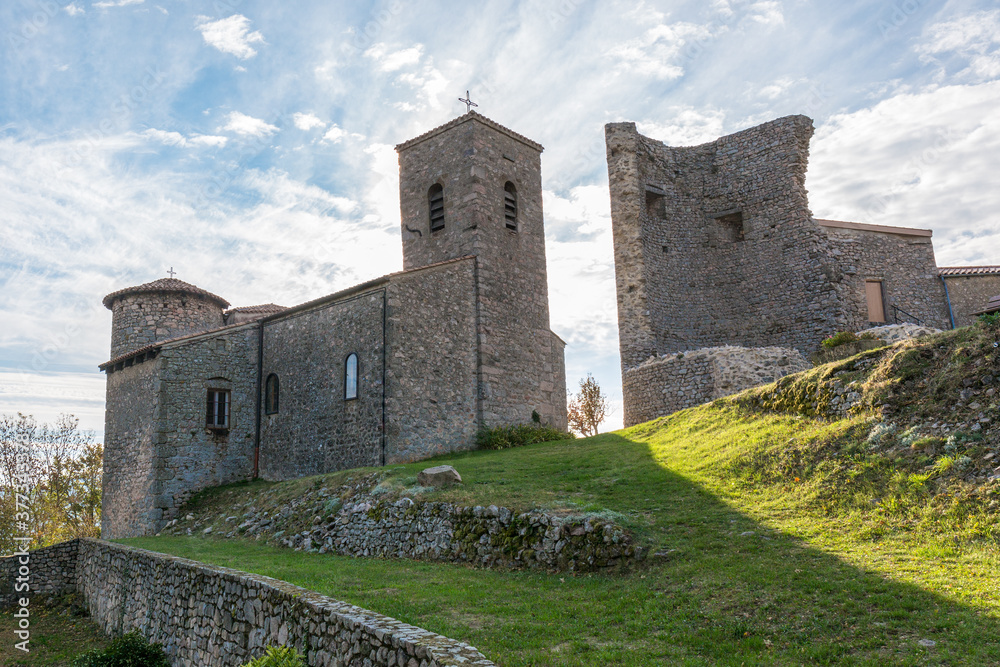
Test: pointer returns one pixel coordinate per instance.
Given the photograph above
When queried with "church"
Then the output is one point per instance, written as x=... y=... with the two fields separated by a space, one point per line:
x=396 y=369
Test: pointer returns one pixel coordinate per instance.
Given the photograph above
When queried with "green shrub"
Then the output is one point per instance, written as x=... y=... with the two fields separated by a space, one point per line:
x=838 y=339
x=990 y=319
x=516 y=435
x=278 y=656
x=130 y=650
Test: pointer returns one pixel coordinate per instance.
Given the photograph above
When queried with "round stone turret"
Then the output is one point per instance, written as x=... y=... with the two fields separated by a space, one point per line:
x=160 y=310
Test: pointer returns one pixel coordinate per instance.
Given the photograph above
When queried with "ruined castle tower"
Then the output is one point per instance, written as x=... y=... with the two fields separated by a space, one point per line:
x=472 y=187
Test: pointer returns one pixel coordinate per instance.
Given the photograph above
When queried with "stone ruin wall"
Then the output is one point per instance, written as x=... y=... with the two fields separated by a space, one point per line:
x=970 y=294
x=687 y=278
x=905 y=265
x=669 y=383
x=207 y=616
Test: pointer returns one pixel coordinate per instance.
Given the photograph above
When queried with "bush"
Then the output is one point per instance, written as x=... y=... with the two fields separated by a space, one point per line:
x=278 y=656
x=838 y=339
x=130 y=650
x=516 y=435
x=990 y=319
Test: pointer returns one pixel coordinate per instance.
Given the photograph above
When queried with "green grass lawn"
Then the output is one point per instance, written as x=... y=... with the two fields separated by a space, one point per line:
x=782 y=544
x=56 y=638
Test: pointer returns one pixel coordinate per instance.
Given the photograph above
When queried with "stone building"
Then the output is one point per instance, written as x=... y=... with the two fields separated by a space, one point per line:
x=715 y=245
x=396 y=369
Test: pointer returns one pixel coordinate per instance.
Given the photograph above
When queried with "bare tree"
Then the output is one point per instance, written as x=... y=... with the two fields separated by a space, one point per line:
x=587 y=409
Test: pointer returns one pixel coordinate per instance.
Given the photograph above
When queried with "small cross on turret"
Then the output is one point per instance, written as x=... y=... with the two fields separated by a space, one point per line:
x=171 y=272
x=468 y=102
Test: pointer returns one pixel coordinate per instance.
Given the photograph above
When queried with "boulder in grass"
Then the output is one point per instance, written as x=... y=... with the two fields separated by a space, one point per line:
x=438 y=476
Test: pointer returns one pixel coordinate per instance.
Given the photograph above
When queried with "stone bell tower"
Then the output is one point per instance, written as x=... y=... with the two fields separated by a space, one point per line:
x=474 y=187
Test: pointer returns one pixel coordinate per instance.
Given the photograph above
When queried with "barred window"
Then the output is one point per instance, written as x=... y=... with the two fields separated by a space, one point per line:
x=351 y=377
x=435 y=201
x=271 y=394
x=510 y=205
x=217 y=413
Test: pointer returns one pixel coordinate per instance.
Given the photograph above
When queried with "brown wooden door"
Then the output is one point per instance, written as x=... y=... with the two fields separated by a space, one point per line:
x=873 y=292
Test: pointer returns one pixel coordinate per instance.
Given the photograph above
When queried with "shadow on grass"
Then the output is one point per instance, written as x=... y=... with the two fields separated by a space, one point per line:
x=724 y=589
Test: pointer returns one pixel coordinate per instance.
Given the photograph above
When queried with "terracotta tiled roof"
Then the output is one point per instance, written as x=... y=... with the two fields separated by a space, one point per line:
x=164 y=285
x=263 y=308
x=472 y=115
x=969 y=270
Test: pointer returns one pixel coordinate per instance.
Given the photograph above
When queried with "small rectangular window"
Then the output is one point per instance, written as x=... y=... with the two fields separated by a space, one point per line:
x=876 y=307
x=217 y=412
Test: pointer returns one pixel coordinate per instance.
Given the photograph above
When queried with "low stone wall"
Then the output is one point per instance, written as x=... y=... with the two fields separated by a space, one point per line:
x=47 y=571
x=206 y=616
x=664 y=385
x=370 y=526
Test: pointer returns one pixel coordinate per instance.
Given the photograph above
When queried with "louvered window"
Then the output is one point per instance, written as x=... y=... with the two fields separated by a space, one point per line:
x=217 y=413
x=435 y=200
x=510 y=205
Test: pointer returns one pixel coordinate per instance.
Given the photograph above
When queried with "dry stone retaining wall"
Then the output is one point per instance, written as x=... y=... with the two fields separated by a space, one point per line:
x=673 y=382
x=371 y=525
x=206 y=616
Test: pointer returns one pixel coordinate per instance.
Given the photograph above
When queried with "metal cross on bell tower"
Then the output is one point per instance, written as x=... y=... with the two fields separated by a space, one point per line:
x=171 y=272
x=468 y=102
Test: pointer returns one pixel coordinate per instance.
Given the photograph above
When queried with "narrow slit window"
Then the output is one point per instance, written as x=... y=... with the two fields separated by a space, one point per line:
x=435 y=202
x=217 y=412
x=271 y=389
x=351 y=377
x=510 y=205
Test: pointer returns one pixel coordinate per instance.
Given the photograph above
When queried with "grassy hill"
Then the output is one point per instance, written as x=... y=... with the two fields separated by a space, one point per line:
x=788 y=531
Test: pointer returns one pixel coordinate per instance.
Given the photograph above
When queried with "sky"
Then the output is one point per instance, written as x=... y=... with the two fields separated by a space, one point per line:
x=249 y=144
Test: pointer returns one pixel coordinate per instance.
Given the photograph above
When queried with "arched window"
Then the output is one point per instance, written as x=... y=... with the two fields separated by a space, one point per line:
x=271 y=395
x=510 y=205
x=351 y=377
x=435 y=201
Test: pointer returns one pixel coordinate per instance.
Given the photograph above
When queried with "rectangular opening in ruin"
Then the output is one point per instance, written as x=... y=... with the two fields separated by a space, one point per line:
x=655 y=203
x=730 y=225
x=876 y=306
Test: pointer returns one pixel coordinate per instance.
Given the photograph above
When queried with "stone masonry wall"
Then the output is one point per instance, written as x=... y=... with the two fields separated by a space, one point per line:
x=132 y=398
x=48 y=571
x=970 y=294
x=715 y=244
x=316 y=430
x=664 y=385
x=189 y=455
x=903 y=263
x=473 y=159
x=431 y=398
x=141 y=319
x=209 y=616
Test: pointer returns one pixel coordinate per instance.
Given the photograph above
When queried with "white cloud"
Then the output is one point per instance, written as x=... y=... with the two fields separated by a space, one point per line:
x=655 y=53
x=120 y=3
x=307 y=121
x=687 y=126
x=396 y=60
x=925 y=159
x=767 y=13
x=775 y=88
x=178 y=139
x=248 y=125
x=230 y=35
x=974 y=39
x=73 y=9
x=334 y=134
